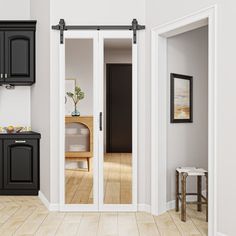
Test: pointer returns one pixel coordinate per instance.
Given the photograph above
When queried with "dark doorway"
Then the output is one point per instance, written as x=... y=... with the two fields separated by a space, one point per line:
x=119 y=108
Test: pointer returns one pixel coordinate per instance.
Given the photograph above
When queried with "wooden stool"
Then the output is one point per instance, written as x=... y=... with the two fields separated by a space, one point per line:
x=184 y=172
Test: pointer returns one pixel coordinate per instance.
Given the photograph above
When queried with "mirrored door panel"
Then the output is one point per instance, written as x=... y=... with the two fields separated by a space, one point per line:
x=117 y=132
x=79 y=121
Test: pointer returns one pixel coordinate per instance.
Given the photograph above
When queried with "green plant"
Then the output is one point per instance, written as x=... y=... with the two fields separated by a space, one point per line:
x=77 y=95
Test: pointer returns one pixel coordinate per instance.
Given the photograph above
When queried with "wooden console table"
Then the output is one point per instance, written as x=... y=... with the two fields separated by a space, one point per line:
x=81 y=155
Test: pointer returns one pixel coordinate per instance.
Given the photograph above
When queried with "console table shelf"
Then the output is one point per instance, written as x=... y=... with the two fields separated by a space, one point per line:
x=87 y=122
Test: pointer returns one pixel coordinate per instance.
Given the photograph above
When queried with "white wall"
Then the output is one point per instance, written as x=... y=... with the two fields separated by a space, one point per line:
x=96 y=12
x=15 y=104
x=187 y=143
x=40 y=95
x=159 y=12
x=79 y=66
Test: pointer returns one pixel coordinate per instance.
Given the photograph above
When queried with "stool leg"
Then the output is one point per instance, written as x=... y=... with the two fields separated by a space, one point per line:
x=183 y=193
x=206 y=174
x=177 y=191
x=88 y=164
x=199 y=193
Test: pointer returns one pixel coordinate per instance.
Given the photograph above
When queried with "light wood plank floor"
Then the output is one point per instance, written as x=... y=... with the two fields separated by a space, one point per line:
x=117 y=181
x=22 y=215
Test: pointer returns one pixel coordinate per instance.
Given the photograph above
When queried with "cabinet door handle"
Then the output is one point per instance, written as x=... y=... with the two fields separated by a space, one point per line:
x=6 y=76
x=1 y=75
x=20 y=141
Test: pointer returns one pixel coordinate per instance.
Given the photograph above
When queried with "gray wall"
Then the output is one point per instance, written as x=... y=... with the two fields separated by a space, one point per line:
x=40 y=92
x=15 y=111
x=79 y=65
x=187 y=143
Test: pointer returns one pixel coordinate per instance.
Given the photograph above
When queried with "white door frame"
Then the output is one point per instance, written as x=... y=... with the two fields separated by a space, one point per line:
x=98 y=78
x=121 y=34
x=159 y=118
x=78 y=207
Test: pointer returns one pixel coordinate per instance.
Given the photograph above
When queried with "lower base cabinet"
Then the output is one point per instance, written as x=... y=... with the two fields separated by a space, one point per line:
x=19 y=162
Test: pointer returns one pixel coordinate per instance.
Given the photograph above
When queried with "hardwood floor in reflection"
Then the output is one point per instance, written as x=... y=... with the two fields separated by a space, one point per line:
x=117 y=181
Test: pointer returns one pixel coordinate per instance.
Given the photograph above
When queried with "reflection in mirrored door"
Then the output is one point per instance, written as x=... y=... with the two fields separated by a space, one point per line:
x=117 y=133
x=79 y=122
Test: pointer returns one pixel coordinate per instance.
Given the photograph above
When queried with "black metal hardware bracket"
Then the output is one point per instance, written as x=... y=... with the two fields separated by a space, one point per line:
x=134 y=26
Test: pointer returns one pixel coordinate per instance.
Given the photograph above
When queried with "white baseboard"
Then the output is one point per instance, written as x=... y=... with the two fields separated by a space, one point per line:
x=170 y=205
x=144 y=207
x=50 y=206
x=55 y=207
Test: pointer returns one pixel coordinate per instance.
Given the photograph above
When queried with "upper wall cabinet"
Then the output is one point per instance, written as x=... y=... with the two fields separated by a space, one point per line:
x=17 y=52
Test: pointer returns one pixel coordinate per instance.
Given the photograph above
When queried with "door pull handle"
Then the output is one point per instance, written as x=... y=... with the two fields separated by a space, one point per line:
x=20 y=141
x=6 y=76
x=100 y=121
x=1 y=75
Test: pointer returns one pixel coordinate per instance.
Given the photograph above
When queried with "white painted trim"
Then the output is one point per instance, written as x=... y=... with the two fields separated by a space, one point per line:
x=78 y=207
x=144 y=208
x=159 y=113
x=158 y=125
x=170 y=205
x=43 y=199
x=118 y=207
x=48 y=205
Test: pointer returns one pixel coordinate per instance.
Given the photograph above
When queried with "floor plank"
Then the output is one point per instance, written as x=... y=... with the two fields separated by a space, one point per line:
x=89 y=224
x=28 y=216
x=146 y=224
x=70 y=224
x=108 y=224
x=166 y=225
x=127 y=224
x=32 y=224
x=50 y=224
x=185 y=228
x=16 y=220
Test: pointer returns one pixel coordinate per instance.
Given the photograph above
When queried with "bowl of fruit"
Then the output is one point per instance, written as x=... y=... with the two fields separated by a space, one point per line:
x=11 y=129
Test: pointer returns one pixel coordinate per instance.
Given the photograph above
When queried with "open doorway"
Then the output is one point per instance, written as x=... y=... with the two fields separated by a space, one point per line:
x=187 y=128
x=162 y=155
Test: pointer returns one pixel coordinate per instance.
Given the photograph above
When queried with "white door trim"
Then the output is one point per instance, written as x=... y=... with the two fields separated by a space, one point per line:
x=121 y=34
x=159 y=106
x=77 y=207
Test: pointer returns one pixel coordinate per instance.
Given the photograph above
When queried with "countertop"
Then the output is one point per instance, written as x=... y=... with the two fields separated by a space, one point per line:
x=28 y=134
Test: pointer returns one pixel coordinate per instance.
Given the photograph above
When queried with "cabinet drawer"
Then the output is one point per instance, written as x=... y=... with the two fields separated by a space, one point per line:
x=20 y=164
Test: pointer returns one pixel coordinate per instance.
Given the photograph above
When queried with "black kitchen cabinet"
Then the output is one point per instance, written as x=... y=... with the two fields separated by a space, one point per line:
x=1 y=165
x=19 y=163
x=1 y=55
x=17 y=55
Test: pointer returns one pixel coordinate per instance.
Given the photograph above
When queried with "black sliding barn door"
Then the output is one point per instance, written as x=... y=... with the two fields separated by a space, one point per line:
x=119 y=108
